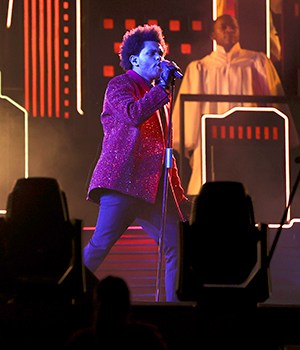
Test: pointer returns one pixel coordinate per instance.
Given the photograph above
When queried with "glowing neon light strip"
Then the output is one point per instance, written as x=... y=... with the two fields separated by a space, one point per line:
x=26 y=55
x=34 y=57
x=78 y=58
x=267 y=109
x=42 y=57
x=9 y=13
x=130 y=228
x=268 y=40
x=57 y=58
x=214 y=9
x=288 y=225
x=214 y=17
x=49 y=59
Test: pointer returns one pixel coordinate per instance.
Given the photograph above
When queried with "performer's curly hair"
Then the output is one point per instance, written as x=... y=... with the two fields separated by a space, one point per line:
x=133 y=42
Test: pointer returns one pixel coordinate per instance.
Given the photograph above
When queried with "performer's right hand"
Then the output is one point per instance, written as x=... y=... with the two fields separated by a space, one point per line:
x=168 y=74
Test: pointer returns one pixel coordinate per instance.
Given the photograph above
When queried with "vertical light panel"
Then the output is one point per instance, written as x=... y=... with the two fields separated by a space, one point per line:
x=34 y=58
x=49 y=59
x=78 y=58
x=57 y=58
x=268 y=36
x=26 y=55
x=42 y=57
x=9 y=13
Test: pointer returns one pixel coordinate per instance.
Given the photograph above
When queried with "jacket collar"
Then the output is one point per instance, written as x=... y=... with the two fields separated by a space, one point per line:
x=140 y=80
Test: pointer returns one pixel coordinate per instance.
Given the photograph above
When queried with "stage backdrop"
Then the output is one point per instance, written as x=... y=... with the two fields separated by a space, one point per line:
x=56 y=59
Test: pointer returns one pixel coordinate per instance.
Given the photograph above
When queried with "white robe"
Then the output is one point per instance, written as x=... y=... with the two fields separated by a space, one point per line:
x=238 y=72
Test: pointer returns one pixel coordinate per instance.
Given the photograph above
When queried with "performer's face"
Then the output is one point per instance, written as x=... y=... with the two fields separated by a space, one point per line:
x=226 y=32
x=147 y=62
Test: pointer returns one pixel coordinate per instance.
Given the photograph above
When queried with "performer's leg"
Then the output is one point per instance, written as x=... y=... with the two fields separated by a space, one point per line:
x=115 y=215
x=171 y=238
x=151 y=223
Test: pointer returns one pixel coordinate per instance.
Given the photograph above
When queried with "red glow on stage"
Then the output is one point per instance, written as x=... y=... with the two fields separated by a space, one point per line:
x=26 y=54
x=42 y=57
x=108 y=71
x=266 y=133
x=34 y=57
x=240 y=132
x=174 y=25
x=108 y=23
x=117 y=47
x=223 y=132
x=65 y=5
x=152 y=21
x=130 y=23
x=57 y=57
x=214 y=131
x=197 y=25
x=49 y=59
x=275 y=133
x=249 y=132
x=186 y=49
x=257 y=133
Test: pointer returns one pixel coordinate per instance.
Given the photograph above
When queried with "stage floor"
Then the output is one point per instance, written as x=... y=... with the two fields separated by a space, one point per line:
x=134 y=258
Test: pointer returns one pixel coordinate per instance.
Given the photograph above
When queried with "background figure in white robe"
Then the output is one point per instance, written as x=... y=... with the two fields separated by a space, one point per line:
x=230 y=70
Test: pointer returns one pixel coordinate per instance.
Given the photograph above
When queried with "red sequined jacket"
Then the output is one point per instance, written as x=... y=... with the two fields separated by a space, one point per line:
x=133 y=148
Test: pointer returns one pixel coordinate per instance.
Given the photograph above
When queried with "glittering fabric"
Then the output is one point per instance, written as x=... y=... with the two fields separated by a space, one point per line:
x=133 y=148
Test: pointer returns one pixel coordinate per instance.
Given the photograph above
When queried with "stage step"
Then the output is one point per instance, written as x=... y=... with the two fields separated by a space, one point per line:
x=135 y=258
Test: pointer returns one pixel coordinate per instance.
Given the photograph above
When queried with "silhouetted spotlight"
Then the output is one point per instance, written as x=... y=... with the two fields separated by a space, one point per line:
x=42 y=246
x=223 y=253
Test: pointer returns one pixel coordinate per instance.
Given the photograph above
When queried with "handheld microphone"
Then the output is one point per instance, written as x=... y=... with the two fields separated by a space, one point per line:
x=173 y=65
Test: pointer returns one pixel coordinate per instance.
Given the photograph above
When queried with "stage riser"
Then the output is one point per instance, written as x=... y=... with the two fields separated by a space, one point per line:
x=134 y=258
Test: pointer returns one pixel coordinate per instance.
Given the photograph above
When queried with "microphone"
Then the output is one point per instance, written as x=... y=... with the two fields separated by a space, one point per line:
x=173 y=65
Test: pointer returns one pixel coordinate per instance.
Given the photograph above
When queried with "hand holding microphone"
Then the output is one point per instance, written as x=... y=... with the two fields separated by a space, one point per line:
x=170 y=71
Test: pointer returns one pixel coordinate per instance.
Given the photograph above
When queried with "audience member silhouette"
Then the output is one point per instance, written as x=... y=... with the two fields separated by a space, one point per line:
x=144 y=336
x=113 y=326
